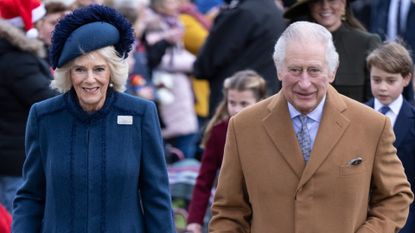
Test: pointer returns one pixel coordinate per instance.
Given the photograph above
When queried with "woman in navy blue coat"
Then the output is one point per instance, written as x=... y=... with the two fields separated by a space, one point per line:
x=94 y=156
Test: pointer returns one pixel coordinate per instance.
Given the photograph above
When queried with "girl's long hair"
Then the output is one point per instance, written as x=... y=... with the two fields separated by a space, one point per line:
x=240 y=81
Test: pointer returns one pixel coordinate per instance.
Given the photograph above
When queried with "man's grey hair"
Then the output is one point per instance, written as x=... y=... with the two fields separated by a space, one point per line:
x=307 y=32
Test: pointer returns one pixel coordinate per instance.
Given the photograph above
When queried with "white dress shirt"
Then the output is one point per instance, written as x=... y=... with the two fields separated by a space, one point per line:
x=393 y=13
x=395 y=107
x=313 y=119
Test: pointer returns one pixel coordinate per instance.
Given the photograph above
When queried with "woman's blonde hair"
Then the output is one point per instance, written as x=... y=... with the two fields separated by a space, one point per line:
x=240 y=81
x=117 y=65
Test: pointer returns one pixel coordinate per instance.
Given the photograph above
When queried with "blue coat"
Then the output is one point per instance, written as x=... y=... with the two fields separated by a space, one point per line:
x=93 y=172
x=404 y=130
x=379 y=22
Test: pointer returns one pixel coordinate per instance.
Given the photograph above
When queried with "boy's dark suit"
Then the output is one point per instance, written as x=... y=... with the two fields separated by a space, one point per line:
x=404 y=129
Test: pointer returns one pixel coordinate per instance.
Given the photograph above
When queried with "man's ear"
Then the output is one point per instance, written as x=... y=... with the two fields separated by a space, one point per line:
x=279 y=74
x=332 y=75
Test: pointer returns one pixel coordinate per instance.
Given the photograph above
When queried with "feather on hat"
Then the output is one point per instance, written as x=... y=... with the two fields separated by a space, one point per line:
x=88 y=29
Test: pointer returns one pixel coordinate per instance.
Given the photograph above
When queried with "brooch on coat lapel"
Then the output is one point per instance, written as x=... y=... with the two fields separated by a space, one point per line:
x=124 y=120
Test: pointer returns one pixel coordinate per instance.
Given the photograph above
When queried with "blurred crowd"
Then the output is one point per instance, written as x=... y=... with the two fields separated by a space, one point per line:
x=184 y=50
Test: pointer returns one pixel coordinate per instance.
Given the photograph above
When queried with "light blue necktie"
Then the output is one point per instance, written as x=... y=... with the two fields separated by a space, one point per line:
x=304 y=138
x=384 y=109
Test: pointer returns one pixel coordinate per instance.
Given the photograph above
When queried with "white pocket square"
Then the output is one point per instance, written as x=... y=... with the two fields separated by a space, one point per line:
x=355 y=161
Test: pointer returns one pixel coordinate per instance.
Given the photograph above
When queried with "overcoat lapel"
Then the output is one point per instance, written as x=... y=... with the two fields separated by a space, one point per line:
x=332 y=126
x=279 y=128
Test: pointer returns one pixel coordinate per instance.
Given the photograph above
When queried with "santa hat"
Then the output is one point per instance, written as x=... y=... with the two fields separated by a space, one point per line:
x=22 y=14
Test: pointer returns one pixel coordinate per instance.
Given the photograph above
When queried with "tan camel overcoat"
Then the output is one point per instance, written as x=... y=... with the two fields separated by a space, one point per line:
x=266 y=187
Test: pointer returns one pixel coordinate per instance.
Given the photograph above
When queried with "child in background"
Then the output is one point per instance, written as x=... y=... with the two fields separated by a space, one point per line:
x=170 y=76
x=243 y=89
x=391 y=69
x=139 y=81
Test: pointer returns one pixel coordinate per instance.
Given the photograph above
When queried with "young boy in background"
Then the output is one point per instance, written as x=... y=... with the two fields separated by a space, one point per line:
x=391 y=69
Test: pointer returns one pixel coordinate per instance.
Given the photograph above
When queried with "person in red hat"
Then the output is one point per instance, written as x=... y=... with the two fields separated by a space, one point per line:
x=22 y=14
x=25 y=79
x=5 y=220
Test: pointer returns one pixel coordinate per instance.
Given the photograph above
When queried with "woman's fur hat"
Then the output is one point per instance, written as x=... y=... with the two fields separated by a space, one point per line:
x=88 y=29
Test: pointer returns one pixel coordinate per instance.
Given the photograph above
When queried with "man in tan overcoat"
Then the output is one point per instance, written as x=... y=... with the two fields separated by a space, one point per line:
x=309 y=160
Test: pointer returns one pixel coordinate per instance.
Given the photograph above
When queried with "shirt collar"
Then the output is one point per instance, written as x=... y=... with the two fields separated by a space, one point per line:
x=315 y=115
x=395 y=106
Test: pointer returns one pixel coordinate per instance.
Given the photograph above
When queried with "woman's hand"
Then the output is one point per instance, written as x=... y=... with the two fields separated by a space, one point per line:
x=194 y=228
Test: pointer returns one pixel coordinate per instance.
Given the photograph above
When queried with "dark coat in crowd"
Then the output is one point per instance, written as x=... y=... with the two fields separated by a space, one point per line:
x=353 y=46
x=379 y=25
x=24 y=80
x=379 y=22
x=242 y=37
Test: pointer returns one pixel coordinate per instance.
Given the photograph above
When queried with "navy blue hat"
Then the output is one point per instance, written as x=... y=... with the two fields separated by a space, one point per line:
x=88 y=29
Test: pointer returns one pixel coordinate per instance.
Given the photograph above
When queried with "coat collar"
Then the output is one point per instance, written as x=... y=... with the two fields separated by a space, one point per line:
x=76 y=110
x=279 y=128
x=332 y=126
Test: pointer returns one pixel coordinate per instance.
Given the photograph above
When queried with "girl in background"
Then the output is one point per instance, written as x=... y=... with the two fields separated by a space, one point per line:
x=241 y=90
